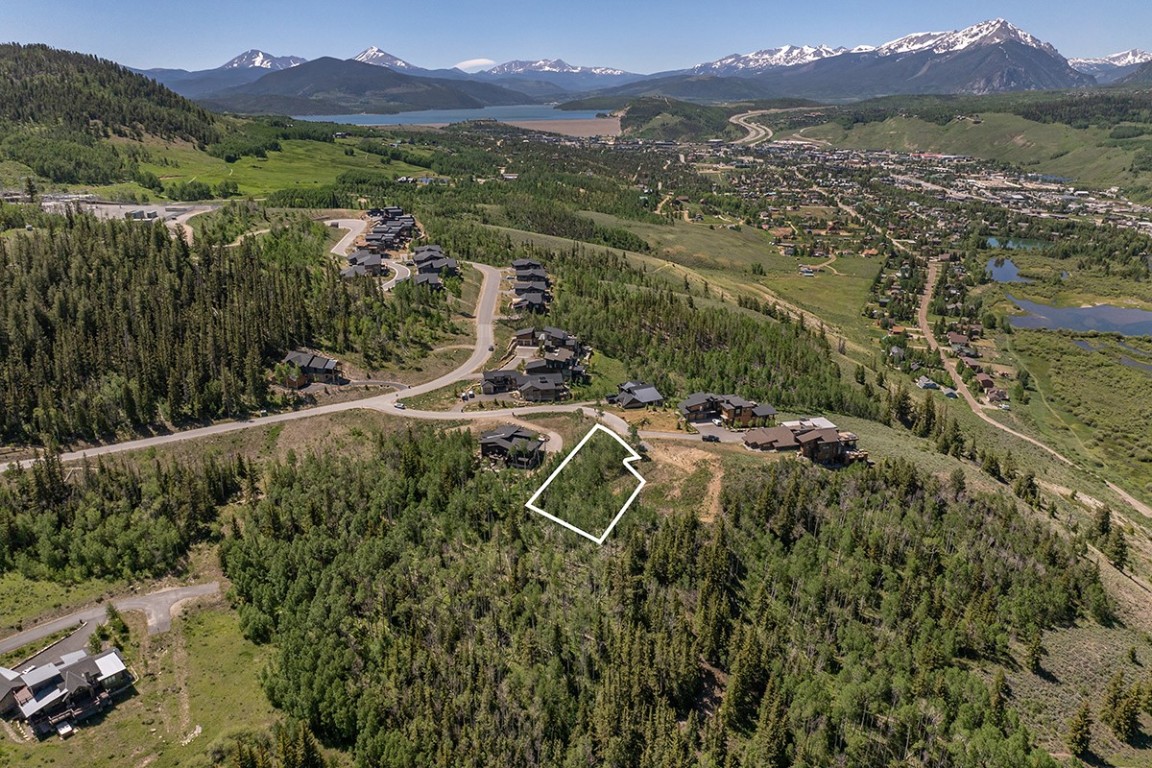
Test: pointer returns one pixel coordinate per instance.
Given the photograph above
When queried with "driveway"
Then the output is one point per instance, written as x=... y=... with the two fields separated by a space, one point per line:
x=157 y=607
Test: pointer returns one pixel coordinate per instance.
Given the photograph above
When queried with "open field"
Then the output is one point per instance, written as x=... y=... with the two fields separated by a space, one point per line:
x=724 y=258
x=316 y=163
x=1089 y=403
x=1087 y=155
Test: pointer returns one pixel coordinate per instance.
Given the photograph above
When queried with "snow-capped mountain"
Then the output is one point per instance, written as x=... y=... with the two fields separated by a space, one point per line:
x=985 y=33
x=520 y=67
x=1122 y=59
x=381 y=58
x=255 y=59
x=769 y=58
x=1109 y=69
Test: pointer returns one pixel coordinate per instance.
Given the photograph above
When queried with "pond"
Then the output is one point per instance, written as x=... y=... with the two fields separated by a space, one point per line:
x=1016 y=244
x=1004 y=271
x=1102 y=317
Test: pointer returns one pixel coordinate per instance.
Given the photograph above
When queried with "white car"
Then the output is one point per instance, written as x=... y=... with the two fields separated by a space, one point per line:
x=400 y=405
x=718 y=422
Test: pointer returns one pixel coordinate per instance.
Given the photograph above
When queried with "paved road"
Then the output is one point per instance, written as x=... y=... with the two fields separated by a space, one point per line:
x=156 y=606
x=486 y=309
x=756 y=133
x=356 y=228
x=957 y=379
x=399 y=273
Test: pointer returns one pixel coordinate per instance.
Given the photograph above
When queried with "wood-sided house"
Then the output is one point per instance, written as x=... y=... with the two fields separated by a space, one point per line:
x=307 y=368
x=54 y=696
x=513 y=445
x=637 y=394
x=733 y=410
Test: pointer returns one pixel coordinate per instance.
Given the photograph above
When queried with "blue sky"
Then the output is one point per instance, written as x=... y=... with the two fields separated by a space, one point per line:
x=637 y=35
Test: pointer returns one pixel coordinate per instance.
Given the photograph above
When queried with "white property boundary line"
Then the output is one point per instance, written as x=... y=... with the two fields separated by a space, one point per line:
x=633 y=457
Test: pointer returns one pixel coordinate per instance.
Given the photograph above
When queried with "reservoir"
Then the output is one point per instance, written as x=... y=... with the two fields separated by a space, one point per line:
x=520 y=113
x=1104 y=318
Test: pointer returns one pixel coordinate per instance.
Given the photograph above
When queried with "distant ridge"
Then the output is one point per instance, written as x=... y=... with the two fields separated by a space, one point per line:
x=334 y=86
x=256 y=59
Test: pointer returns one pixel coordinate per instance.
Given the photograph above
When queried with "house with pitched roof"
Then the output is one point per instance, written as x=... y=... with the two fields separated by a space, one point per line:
x=637 y=394
x=311 y=368
x=733 y=410
x=512 y=445
x=54 y=696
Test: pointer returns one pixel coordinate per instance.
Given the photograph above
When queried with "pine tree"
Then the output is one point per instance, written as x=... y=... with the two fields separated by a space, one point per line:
x=1078 y=736
x=997 y=696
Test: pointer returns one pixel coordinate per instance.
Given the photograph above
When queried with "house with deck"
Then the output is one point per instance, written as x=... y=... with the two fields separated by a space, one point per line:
x=53 y=697
x=514 y=446
x=637 y=394
x=735 y=411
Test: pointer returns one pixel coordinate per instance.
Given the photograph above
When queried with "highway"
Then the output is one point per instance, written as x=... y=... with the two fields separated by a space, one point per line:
x=756 y=133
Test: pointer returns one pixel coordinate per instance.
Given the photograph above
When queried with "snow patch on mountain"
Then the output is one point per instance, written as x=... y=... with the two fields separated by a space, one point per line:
x=256 y=59
x=551 y=65
x=1122 y=59
x=381 y=58
x=769 y=58
x=991 y=32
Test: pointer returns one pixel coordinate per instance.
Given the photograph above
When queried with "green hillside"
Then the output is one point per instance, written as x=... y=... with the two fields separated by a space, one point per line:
x=1089 y=155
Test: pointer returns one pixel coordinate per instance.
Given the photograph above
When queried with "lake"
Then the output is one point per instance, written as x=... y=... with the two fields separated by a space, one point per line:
x=515 y=114
x=1016 y=244
x=1004 y=271
x=1104 y=318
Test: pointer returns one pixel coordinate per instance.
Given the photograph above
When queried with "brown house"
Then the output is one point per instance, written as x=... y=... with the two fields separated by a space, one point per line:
x=771 y=439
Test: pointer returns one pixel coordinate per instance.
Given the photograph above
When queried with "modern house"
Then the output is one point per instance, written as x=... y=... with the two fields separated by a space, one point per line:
x=499 y=382
x=637 y=394
x=312 y=368
x=733 y=410
x=54 y=696
x=531 y=302
x=544 y=388
x=525 y=264
x=532 y=276
x=515 y=446
x=429 y=280
x=828 y=446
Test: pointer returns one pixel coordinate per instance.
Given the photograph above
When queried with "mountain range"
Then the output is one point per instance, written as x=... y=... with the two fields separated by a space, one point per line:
x=1113 y=68
x=988 y=57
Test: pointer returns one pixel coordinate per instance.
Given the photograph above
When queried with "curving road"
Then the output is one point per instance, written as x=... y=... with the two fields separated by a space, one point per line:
x=157 y=607
x=957 y=379
x=756 y=133
x=485 y=311
x=356 y=228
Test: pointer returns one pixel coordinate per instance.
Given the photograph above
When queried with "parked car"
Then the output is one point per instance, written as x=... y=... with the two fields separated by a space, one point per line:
x=400 y=405
x=718 y=422
x=711 y=438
